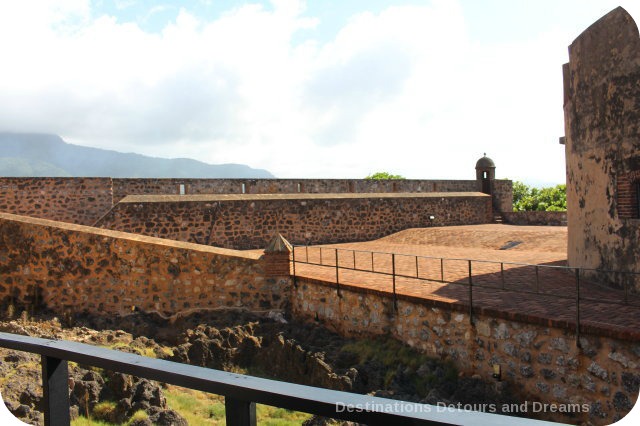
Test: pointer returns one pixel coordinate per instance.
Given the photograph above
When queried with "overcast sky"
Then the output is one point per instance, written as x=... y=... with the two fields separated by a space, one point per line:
x=332 y=88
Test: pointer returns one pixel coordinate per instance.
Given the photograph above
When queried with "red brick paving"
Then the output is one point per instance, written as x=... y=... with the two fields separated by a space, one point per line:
x=552 y=296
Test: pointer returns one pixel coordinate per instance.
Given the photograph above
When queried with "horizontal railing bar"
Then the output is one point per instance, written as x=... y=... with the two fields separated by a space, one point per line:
x=479 y=285
x=324 y=402
x=568 y=268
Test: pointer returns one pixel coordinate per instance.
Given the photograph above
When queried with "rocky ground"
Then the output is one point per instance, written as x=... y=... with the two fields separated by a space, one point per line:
x=234 y=340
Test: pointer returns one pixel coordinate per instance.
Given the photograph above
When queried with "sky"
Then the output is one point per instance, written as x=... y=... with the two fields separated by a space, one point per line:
x=304 y=89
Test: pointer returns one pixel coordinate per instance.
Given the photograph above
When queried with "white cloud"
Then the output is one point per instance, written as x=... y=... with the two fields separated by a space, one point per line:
x=405 y=90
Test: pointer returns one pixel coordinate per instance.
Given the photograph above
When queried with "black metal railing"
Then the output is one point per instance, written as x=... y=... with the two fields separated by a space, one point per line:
x=241 y=392
x=557 y=281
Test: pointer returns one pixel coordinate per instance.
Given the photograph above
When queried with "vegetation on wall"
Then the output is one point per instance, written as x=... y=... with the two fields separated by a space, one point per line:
x=527 y=198
x=384 y=175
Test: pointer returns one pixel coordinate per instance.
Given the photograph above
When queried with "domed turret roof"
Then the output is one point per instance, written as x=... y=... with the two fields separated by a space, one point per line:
x=485 y=163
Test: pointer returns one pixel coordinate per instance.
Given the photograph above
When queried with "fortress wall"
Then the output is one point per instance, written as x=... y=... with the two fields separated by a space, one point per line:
x=538 y=358
x=83 y=269
x=249 y=222
x=502 y=191
x=536 y=218
x=145 y=186
x=73 y=200
x=85 y=200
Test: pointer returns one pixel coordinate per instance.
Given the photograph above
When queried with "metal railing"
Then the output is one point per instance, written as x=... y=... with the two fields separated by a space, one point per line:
x=241 y=392
x=556 y=281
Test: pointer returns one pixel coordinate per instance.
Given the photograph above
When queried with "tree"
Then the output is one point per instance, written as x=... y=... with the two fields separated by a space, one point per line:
x=526 y=198
x=384 y=175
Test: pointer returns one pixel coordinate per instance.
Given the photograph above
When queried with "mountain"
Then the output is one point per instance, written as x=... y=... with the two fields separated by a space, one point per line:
x=30 y=154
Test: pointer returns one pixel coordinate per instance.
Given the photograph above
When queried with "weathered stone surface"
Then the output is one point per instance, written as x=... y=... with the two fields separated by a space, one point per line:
x=544 y=362
x=597 y=371
x=602 y=147
x=108 y=272
x=250 y=221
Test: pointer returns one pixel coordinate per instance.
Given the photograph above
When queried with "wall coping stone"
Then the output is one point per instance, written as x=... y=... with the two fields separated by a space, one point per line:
x=298 y=196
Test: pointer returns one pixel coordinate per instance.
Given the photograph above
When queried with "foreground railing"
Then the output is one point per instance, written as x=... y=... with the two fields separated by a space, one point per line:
x=241 y=392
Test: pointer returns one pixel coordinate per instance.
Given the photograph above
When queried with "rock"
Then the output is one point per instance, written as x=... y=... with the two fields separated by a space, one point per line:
x=526 y=338
x=526 y=371
x=31 y=396
x=621 y=402
x=122 y=411
x=630 y=382
x=547 y=373
x=167 y=418
x=501 y=332
x=544 y=358
x=118 y=386
x=147 y=394
x=559 y=344
x=248 y=348
x=597 y=371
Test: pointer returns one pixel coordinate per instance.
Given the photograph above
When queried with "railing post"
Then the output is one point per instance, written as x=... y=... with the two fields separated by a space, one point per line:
x=306 y=250
x=55 y=391
x=578 y=307
x=354 y=259
x=441 y=270
x=372 y=268
x=417 y=270
x=393 y=274
x=239 y=412
x=337 y=274
x=293 y=253
x=502 y=273
x=470 y=295
x=320 y=255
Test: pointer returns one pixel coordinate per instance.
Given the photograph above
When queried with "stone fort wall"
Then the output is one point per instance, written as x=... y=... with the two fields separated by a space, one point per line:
x=73 y=200
x=538 y=357
x=85 y=200
x=83 y=269
x=536 y=218
x=72 y=268
x=250 y=221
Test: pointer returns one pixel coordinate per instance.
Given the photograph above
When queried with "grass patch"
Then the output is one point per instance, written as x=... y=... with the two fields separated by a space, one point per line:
x=201 y=408
x=198 y=408
x=103 y=410
x=83 y=421
x=138 y=415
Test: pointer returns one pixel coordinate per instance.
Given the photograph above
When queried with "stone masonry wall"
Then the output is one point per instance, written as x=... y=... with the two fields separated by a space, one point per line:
x=540 y=359
x=78 y=268
x=124 y=187
x=536 y=218
x=602 y=144
x=249 y=221
x=74 y=200
x=85 y=200
x=502 y=190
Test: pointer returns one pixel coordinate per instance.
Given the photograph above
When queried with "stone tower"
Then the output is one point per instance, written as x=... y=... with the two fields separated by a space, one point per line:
x=602 y=147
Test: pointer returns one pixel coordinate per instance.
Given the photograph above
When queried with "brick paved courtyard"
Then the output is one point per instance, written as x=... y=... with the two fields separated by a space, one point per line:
x=514 y=269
